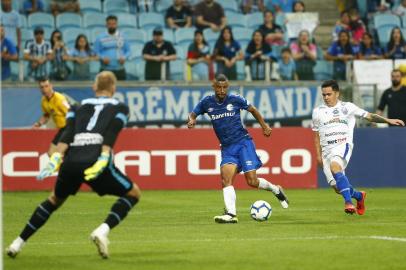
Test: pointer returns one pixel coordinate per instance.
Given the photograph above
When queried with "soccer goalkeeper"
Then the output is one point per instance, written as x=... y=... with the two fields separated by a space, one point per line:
x=90 y=134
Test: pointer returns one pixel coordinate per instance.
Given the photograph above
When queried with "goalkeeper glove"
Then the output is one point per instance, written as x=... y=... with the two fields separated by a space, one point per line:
x=98 y=167
x=53 y=166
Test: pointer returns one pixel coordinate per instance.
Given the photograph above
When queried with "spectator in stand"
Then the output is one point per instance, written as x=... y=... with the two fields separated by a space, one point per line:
x=379 y=5
x=357 y=27
x=210 y=14
x=8 y=53
x=283 y=6
x=287 y=66
x=156 y=53
x=112 y=49
x=199 y=58
x=367 y=49
x=249 y=6
x=401 y=9
x=10 y=19
x=298 y=7
x=38 y=51
x=81 y=56
x=304 y=52
x=272 y=32
x=32 y=6
x=258 y=52
x=178 y=15
x=60 y=6
x=227 y=52
x=59 y=68
x=342 y=24
x=341 y=51
x=144 y=5
x=396 y=47
x=394 y=98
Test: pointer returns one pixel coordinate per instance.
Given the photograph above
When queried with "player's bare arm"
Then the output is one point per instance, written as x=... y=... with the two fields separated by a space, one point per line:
x=191 y=120
x=372 y=117
x=257 y=115
x=318 y=148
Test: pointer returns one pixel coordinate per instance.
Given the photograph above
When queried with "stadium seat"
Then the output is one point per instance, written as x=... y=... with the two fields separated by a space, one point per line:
x=90 y=5
x=94 y=68
x=163 y=5
x=23 y=21
x=242 y=35
x=280 y=20
x=210 y=35
x=177 y=70
x=323 y=70
x=236 y=20
x=320 y=53
x=181 y=51
x=403 y=18
x=41 y=19
x=403 y=32
x=26 y=34
x=229 y=5
x=386 y=19
x=276 y=51
x=136 y=51
x=131 y=70
x=68 y=20
x=150 y=20
x=94 y=19
x=254 y=20
x=135 y=36
x=126 y=20
x=111 y=6
x=184 y=35
x=240 y=70
x=95 y=32
x=70 y=34
x=363 y=8
x=384 y=35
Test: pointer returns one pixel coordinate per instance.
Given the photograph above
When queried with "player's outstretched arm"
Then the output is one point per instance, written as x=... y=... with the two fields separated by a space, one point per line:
x=318 y=148
x=54 y=162
x=372 y=117
x=98 y=167
x=265 y=127
x=191 y=120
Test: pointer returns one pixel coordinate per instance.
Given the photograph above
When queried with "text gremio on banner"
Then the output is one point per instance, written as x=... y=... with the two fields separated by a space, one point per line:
x=169 y=158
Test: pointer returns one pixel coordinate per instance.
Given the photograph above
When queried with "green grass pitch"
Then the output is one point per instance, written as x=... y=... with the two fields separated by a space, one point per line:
x=175 y=230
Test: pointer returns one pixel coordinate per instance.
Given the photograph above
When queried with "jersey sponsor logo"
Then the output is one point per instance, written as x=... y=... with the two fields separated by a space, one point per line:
x=341 y=140
x=335 y=133
x=230 y=107
x=82 y=139
x=335 y=121
x=335 y=111
x=210 y=109
x=221 y=115
x=344 y=110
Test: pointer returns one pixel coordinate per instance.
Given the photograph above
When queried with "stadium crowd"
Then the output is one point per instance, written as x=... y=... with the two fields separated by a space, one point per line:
x=248 y=39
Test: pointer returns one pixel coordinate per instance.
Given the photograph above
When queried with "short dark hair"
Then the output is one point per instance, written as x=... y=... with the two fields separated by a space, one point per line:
x=397 y=70
x=286 y=49
x=221 y=78
x=331 y=83
x=111 y=17
x=42 y=79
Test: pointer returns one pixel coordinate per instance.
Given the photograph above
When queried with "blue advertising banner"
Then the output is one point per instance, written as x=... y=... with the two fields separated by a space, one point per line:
x=171 y=105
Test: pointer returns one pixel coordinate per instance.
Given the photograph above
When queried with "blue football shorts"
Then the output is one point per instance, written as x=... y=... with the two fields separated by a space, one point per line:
x=242 y=154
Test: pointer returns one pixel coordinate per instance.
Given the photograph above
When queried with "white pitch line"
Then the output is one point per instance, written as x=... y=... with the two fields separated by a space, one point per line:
x=305 y=238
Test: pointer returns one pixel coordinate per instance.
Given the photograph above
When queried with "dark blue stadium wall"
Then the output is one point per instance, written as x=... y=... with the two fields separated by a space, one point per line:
x=378 y=158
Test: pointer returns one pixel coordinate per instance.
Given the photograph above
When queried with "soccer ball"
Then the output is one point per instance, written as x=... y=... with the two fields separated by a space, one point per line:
x=261 y=210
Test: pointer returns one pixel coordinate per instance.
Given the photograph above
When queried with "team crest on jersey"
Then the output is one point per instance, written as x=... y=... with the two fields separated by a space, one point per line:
x=210 y=109
x=230 y=107
x=335 y=111
x=344 y=110
x=248 y=163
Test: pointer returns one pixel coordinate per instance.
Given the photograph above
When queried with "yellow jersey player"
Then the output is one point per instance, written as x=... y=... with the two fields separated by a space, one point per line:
x=54 y=105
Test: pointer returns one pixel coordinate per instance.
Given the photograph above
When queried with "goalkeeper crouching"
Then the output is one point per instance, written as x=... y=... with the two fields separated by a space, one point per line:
x=91 y=131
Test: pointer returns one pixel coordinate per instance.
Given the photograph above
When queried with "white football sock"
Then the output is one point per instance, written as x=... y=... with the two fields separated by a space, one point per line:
x=263 y=184
x=103 y=229
x=229 y=199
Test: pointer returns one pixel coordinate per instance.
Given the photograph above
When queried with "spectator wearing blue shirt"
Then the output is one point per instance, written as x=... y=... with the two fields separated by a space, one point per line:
x=284 y=6
x=10 y=19
x=287 y=66
x=31 y=6
x=258 y=52
x=81 y=56
x=367 y=48
x=396 y=48
x=227 y=52
x=8 y=53
x=340 y=52
x=112 y=49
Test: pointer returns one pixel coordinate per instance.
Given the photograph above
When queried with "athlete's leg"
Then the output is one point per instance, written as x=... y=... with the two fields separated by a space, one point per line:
x=228 y=173
x=37 y=220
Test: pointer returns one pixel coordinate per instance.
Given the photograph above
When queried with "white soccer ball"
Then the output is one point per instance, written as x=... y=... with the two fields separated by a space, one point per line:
x=261 y=210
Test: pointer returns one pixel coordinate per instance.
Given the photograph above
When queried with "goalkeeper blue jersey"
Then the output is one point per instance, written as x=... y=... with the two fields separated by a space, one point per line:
x=225 y=117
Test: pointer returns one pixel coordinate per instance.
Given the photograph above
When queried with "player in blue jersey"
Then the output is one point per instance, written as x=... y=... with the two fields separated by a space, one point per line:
x=237 y=148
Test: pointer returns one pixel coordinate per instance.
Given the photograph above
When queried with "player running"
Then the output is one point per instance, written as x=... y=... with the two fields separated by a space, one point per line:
x=237 y=147
x=90 y=134
x=333 y=124
x=54 y=105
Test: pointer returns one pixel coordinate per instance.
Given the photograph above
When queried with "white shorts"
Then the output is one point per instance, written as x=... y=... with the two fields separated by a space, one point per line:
x=340 y=154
